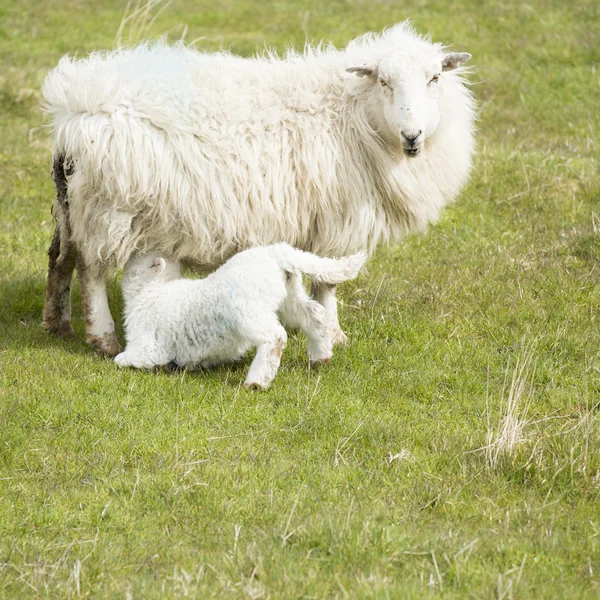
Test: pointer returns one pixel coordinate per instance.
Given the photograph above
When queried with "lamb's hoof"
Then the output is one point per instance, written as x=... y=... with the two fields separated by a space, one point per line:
x=339 y=337
x=106 y=346
x=169 y=368
x=64 y=329
x=121 y=360
x=254 y=386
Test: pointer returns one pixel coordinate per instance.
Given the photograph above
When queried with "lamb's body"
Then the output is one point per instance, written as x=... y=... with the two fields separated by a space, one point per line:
x=218 y=319
x=195 y=156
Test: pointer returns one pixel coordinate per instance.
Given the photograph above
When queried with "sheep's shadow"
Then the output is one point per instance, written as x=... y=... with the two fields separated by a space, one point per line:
x=21 y=309
x=22 y=304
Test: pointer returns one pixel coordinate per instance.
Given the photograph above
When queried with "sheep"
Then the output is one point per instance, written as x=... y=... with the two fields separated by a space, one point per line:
x=193 y=156
x=242 y=305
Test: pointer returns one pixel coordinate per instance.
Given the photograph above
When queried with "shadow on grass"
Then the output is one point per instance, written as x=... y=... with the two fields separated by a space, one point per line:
x=21 y=310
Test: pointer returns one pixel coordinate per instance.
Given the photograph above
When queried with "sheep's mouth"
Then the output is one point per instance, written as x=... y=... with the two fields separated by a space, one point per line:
x=412 y=152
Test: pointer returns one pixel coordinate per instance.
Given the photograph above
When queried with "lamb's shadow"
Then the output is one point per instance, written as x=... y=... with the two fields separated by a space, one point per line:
x=236 y=368
x=233 y=374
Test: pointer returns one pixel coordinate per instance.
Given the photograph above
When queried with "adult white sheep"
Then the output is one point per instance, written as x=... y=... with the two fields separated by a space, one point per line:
x=196 y=156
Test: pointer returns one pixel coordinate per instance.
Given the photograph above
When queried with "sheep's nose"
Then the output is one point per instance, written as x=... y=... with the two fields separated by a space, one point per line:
x=411 y=136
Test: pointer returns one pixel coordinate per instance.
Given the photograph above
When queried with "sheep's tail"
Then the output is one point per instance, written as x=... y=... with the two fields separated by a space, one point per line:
x=320 y=270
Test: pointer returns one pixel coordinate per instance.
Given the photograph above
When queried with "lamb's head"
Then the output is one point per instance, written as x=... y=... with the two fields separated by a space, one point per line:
x=403 y=94
x=144 y=269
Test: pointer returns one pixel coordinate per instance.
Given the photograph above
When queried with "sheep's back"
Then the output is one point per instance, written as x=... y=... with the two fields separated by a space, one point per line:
x=215 y=167
x=197 y=156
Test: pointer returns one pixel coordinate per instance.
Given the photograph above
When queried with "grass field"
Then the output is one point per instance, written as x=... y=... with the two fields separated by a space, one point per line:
x=450 y=450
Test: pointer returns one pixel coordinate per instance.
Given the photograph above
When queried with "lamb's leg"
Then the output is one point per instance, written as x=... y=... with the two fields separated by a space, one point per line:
x=99 y=324
x=57 y=307
x=142 y=357
x=300 y=311
x=324 y=294
x=266 y=362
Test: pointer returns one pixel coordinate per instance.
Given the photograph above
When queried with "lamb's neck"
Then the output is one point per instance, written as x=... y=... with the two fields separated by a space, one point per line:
x=134 y=291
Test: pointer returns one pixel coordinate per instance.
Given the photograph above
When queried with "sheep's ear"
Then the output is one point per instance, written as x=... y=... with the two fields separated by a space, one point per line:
x=363 y=71
x=453 y=60
x=158 y=265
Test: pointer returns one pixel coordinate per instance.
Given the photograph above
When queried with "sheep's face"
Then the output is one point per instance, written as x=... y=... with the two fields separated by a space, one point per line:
x=405 y=96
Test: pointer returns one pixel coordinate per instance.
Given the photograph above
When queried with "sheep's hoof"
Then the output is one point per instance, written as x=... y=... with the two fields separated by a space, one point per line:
x=339 y=337
x=64 y=329
x=106 y=346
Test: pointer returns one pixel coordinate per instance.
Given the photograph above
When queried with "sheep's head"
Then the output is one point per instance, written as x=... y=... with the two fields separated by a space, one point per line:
x=404 y=95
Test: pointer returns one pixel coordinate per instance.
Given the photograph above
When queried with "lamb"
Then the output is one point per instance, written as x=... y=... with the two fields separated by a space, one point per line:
x=194 y=156
x=205 y=322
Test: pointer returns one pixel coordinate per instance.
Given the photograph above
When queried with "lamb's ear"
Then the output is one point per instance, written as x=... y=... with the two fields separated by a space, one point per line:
x=158 y=265
x=363 y=71
x=454 y=59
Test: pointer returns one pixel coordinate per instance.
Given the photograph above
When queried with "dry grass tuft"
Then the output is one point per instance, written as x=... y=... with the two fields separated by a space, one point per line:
x=509 y=433
x=138 y=19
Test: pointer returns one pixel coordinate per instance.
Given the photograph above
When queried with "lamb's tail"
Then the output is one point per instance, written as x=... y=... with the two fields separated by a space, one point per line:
x=321 y=270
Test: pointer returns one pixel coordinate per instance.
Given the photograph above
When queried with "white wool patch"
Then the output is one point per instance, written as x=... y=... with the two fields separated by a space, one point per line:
x=242 y=305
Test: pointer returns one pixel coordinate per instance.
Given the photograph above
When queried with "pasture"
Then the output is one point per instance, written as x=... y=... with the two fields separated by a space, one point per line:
x=452 y=449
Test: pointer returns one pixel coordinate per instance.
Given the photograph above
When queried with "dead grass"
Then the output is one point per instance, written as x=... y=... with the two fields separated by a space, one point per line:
x=510 y=431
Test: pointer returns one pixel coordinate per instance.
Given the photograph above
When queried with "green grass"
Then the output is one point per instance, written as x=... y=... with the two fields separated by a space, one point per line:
x=367 y=478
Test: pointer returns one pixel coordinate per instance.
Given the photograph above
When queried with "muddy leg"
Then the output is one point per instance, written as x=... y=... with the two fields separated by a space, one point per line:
x=324 y=294
x=57 y=307
x=99 y=324
x=61 y=259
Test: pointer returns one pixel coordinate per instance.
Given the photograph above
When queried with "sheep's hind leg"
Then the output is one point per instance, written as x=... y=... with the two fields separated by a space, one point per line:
x=99 y=324
x=57 y=306
x=324 y=294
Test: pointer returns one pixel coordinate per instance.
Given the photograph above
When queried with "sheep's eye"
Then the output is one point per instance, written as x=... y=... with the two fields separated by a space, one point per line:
x=435 y=78
x=383 y=83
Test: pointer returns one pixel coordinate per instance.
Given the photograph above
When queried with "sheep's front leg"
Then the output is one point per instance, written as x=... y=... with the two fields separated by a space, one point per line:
x=99 y=324
x=266 y=362
x=57 y=307
x=324 y=294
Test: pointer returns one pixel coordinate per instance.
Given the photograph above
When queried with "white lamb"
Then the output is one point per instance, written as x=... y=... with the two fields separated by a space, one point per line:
x=172 y=152
x=242 y=305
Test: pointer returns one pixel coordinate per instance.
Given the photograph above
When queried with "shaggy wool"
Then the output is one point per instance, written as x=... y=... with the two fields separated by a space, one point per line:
x=168 y=151
x=195 y=156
